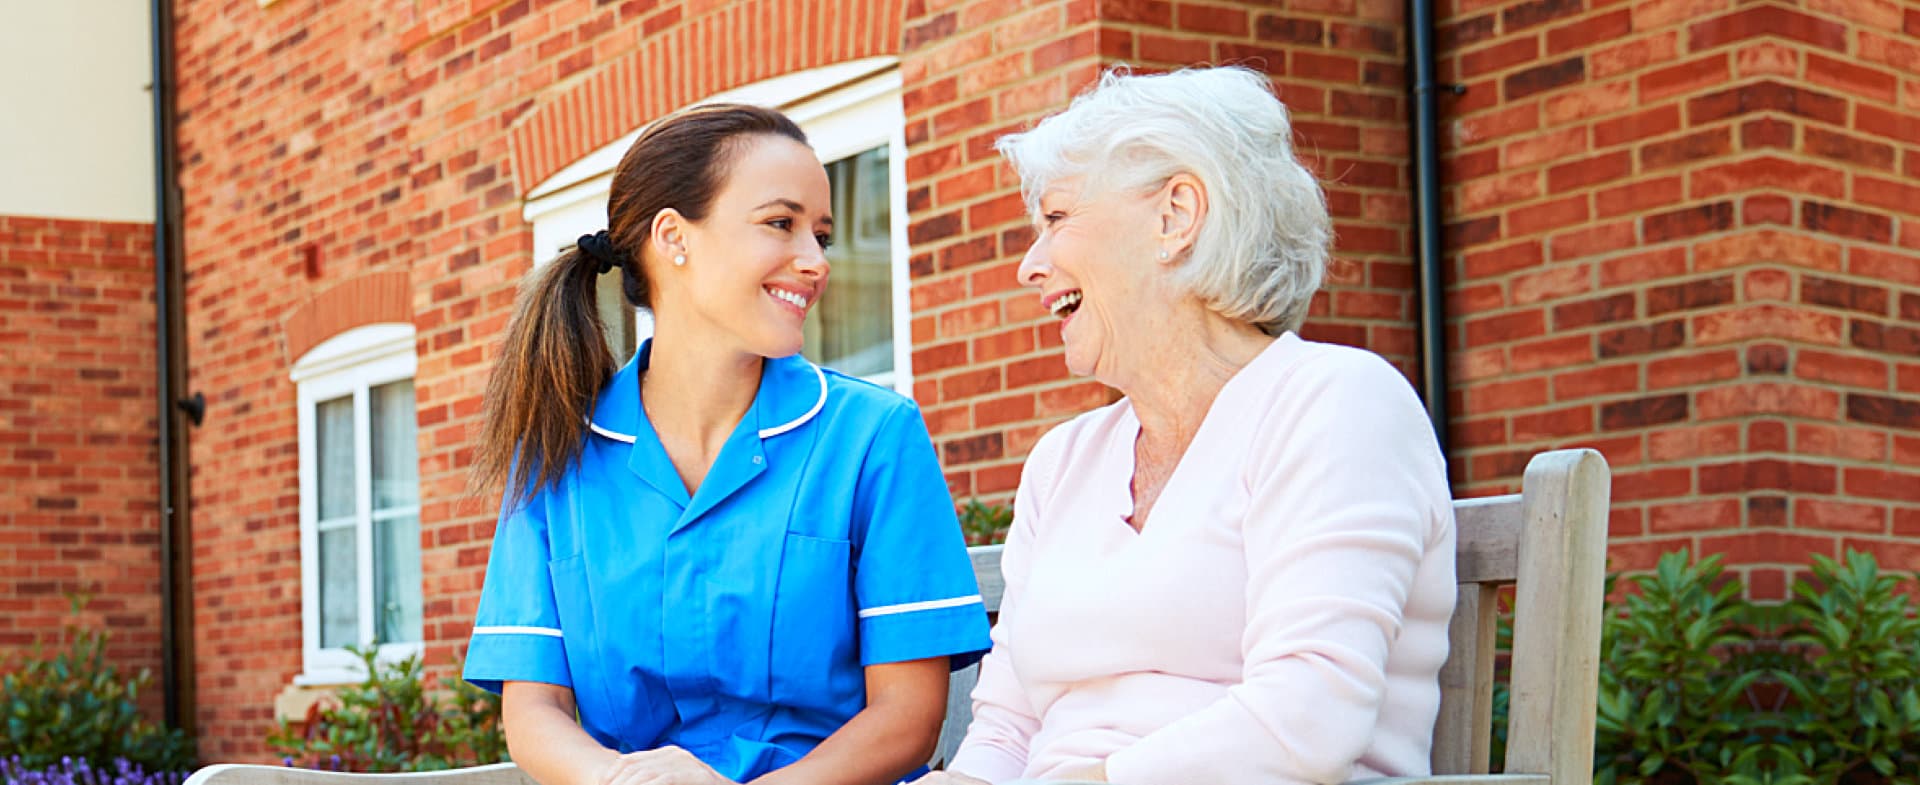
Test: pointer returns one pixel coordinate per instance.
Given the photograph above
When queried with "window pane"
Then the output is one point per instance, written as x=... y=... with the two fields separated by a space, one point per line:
x=852 y=331
x=396 y=462
x=396 y=595
x=333 y=432
x=339 y=589
x=396 y=540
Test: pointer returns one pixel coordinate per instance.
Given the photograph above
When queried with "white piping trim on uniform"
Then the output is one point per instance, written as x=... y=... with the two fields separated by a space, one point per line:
x=780 y=429
x=929 y=605
x=546 y=631
x=764 y=432
x=621 y=437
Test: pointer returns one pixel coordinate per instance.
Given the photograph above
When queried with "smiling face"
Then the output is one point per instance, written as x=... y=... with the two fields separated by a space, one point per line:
x=1093 y=261
x=756 y=264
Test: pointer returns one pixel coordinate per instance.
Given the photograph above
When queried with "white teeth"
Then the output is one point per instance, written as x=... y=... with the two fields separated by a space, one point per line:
x=797 y=300
x=1065 y=301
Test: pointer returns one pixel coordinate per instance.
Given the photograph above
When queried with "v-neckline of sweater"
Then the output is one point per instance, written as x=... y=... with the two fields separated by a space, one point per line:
x=1121 y=448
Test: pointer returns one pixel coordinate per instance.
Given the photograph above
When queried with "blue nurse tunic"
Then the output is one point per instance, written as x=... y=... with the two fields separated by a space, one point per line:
x=734 y=623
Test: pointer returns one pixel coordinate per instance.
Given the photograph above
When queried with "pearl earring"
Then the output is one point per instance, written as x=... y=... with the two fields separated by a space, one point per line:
x=679 y=260
x=1163 y=253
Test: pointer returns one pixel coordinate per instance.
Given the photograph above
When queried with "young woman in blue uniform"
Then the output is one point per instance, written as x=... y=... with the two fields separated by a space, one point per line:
x=731 y=564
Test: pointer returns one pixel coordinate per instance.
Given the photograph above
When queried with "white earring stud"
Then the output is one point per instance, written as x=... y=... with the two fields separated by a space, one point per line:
x=1163 y=253
x=679 y=260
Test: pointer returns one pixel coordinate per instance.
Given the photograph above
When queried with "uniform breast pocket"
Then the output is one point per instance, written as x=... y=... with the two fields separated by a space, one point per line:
x=586 y=657
x=815 y=662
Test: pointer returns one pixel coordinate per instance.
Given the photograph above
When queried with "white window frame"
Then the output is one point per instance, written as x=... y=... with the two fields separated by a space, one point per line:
x=350 y=363
x=845 y=109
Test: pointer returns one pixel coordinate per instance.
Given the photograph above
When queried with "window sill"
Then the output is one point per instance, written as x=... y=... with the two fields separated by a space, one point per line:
x=330 y=669
x=329 y=677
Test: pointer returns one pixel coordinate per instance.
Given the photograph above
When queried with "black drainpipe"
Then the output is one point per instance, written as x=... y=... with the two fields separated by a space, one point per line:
x=175 y=613
x=1425 y=136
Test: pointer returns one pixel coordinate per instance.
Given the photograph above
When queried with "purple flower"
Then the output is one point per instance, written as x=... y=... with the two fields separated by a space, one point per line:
x=68 y=771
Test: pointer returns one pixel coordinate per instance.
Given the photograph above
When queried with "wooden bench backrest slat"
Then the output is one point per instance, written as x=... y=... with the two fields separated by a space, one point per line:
x=1488 y=539
x=986 y=570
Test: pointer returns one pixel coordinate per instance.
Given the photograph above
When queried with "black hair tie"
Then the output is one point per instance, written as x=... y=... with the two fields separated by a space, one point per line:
x=599 y=247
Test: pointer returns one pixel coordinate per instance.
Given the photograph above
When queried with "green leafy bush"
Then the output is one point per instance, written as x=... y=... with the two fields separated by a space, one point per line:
x=985 y=524
x=1855 y=686
x=1676 y=664
x=71 y=703
x=1699 y=686
x=391 y=722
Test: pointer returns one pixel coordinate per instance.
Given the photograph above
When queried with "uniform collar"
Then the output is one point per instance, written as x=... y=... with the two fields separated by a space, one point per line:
x=792 y=392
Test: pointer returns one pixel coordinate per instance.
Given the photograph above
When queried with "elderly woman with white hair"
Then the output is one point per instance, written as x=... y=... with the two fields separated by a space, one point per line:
x=1242 y=571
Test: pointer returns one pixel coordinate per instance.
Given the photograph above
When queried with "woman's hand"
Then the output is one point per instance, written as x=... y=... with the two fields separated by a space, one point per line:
x=663 y=766
x=1094 y=773
x=948 y=778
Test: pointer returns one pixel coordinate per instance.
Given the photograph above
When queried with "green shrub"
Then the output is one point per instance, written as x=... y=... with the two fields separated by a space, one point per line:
x=1698 y=686
x=1855 y=686
x=985 y=524
x=391 y=722
x=72 y=703
x=1676 y=664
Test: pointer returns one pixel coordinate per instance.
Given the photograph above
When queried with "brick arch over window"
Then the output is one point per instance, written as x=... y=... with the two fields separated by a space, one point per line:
x=720 y=50
x=371 y=298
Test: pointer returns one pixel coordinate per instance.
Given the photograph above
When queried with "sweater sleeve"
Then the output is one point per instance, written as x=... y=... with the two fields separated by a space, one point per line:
x=1343 y=480
x=1004 y=721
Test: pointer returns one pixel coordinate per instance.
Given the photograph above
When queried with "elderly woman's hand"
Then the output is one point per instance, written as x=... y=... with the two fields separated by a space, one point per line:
x=663 y=766
x=1094 y=773
x=948 y=778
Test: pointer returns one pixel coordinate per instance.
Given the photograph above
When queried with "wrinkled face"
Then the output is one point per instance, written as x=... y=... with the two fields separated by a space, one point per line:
x=757 y=264
x=1092 y=260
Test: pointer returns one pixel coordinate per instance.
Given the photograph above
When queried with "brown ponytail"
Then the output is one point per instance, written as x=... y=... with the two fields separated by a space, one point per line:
x=555 y=360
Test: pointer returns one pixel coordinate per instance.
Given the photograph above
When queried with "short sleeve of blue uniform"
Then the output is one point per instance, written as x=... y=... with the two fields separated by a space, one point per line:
x=913 y=581
x=516 y=631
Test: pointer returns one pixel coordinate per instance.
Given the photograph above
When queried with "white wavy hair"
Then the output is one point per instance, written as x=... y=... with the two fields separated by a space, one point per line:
x=1262 y=251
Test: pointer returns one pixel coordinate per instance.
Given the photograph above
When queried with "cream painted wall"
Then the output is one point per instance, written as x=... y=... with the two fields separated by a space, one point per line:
x=76 y=128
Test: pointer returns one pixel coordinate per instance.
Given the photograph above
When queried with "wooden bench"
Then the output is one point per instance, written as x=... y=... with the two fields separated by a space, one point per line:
x=1549 y=541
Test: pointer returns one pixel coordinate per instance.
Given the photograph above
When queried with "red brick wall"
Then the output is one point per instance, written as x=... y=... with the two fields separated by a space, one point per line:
x=297 y=167
x=1675 y=233
x=79 y=476
x=987 y=366
x=1851 y=415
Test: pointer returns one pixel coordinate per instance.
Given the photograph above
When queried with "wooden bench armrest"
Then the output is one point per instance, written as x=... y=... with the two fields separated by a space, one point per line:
x=246 y=774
